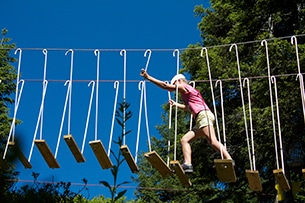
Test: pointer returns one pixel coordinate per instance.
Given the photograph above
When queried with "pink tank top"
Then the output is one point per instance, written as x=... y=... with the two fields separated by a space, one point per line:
x=194 y=100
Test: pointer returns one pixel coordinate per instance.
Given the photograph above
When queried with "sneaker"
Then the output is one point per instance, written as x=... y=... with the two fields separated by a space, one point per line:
x=188 y=168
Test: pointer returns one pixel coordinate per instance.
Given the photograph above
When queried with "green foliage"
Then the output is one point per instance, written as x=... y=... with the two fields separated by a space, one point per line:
x=41 y=192
x=7 y=85
x=122 y=116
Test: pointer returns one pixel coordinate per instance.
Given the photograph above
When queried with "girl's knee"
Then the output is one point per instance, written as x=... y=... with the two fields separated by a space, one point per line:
x=184 y=140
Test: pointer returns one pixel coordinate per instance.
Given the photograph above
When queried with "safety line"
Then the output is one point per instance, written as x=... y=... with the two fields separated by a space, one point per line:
x=155 y=50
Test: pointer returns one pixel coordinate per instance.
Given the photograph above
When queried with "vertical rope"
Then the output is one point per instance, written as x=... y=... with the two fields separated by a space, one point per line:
x=146 y=118
x=242 y=97
x=123 y=53
x=223 y=117
x=88 y=114
x=70 y=92
x=17 y=97
x=97 y=54
x=300 y=76
x=40 y=115
x=140 y=87
x=264 y=42
x=116 y=86
x=176 y=54
x=169 y=128
x=273 y=80
x=252 y=162
x=212 y=93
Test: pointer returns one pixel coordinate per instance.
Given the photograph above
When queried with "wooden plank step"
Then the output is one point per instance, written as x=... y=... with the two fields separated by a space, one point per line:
x=46 y=153
x=100 y=153
x=254 y=180
x=20 y=155
x=158 y=164
x=225 y=170
x=129 y=159
x=184 y=179
x=74 y=148
x=281 y=179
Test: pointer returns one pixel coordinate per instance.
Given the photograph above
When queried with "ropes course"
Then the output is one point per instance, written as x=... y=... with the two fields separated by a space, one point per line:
x=224 y=167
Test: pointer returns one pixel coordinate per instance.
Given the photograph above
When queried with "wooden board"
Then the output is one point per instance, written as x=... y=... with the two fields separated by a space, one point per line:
x=303 y=172
x=225 y=170
x=46 y=153
x=100 y=153
x=184 y=179
x=158 y=164
x=254 y=180
x=281 y=179
x=20 y=155
x=129 y=159
x=74 y=148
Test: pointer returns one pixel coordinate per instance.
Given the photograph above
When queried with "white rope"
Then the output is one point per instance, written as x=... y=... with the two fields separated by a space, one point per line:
x=223 y=117
x=212 y=93
x=300 y=76
x=146 y=118
x=140 y=87
x=40 y=116
x=159 y=49
x=17 y=98
x=70 y=92
x=97 y=54
x=12 y=129
x=242 y=97
x=123 y=53
x=169 y=128
x=88 y=114
x=191 y=116
x=148 y=51
x=252 y=162
x=176 y=54
x=273 y=80
x=116 y=85
x=63 y=115
x=264 y=42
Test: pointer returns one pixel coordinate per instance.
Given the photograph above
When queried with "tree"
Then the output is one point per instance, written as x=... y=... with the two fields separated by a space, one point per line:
x=245 y=23
x=7 y=87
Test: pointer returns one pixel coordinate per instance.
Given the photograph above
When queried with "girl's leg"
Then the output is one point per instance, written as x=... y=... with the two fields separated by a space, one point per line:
x=186 y=147
x=209 y=133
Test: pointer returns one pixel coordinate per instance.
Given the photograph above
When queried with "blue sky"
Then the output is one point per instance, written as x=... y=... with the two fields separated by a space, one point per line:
x=84 y=26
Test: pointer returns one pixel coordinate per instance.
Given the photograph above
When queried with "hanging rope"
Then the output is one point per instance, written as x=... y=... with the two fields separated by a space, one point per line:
x=176 y=54
x=67 y=102
x=191 y=116
x=18 y=94
x=92 y=83
x=273 y=80
x=123 y=53
x=223 y=117
x=299 y=75
x=97 y=54
x=41 y=110
x=252 y=162
x=212 y=93
x=116 y=85
x=169 y=128
x=242 y=96
x=142 y=87
x=265 y=43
